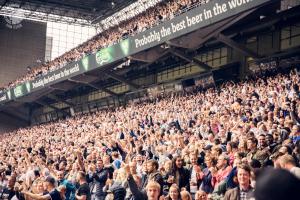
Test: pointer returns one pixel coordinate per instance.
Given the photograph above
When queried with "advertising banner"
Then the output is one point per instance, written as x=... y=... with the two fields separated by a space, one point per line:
x=192 y=20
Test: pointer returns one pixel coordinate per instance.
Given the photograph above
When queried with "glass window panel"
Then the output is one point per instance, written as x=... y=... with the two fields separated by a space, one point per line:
x=216 y=62
x=224 y=51
x=295 y=41
x=285 y=44
x=295 y=30
x=285 y=33
x=209 y=55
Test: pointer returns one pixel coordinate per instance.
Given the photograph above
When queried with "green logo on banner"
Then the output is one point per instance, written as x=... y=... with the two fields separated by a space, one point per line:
x=9 y=94
x=104 y=56
x=85 y=63
x=28 y=87
x=125 y=46
x=18 y=91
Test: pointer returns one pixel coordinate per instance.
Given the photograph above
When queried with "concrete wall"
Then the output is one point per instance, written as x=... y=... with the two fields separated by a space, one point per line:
x=9 y=123
x=20 y=47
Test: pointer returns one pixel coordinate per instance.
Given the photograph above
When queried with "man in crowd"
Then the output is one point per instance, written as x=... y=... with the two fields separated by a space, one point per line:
x=244 y=190
x=152 y=174
x=288 y=162
x=70 y=188
x=83 y=192
x=98 y=178
x=52 y=192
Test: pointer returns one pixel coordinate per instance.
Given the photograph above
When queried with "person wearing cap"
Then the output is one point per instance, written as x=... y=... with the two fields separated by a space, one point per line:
x=244 y=189
x=50 y=187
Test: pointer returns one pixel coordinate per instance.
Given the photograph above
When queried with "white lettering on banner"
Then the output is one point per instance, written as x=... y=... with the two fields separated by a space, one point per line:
x=75 y=69
x=154 y=36
x=194 y=20
x=178 y=27
x=37 y=84
x=208 y=13
x=56 y=76
x=3 y=98
x=236 y=3
x=66 y=72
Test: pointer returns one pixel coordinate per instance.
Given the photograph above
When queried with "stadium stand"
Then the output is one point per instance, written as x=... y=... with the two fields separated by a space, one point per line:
x=151 y=17
x=227 y=134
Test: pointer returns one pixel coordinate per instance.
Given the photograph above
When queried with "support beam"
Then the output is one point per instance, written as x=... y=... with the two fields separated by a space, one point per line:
x=52 y=96
x=150 y=55
x=95 y=86
x=189 y=59
x=158 y=58
x=239 y=47
x=123 y=80
x=218 y=30
x=55 y=88
x=53 y=107
x=103 y=89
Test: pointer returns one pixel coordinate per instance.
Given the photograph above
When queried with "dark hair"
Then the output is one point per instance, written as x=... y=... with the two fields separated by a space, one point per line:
x=174 y=162
x=36 y=173
x=253 y=140
x=153 y=163
x=217 y=141
x=233 y=145
x=82 y=174
x=255 y=164
x=262 y=135
x=245 y=167
x=50 y=180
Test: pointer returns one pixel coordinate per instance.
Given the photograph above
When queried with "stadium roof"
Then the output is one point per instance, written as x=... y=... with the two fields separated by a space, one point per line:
x=66 y=11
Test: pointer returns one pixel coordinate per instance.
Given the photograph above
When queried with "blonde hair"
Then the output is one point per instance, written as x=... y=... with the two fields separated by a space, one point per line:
x=185 y=194
x=121 y=175
x=175 y=186
x=153 y=184
x=285 y=159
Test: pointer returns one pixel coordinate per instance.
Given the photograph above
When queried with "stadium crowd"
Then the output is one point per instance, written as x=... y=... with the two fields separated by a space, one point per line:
x=164 y=11
x=238 y=141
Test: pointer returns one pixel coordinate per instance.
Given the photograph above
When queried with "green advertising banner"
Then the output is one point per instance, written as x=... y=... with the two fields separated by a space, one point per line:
x=194 y=19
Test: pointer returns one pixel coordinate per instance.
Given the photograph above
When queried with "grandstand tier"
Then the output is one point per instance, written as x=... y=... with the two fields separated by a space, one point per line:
x=177 y=100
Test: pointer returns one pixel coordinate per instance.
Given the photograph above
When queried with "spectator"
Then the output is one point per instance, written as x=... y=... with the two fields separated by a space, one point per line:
x=179 y=174
x=53 y=193
x=276 y=184
x=201 y=195
x=288 y=162
x=98 y=177
x=244 y=190
x=69 y=187
x=174 y=193
x=152 y=174
x=83 y=192
x=193 y=151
